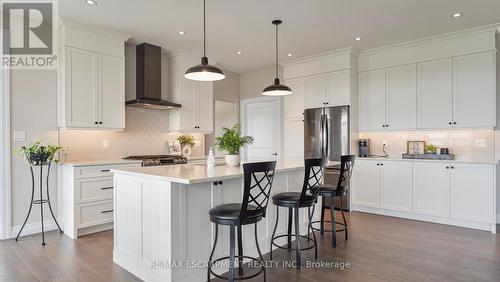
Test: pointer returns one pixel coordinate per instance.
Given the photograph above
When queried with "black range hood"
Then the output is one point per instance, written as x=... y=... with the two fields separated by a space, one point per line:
x=148 y=79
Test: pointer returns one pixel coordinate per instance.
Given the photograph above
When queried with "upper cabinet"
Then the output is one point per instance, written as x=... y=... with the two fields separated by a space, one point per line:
x=293 y=122
x=328 y=90
x=474 y=90
x=196 y=98
x=91 y=80
x=387 y=98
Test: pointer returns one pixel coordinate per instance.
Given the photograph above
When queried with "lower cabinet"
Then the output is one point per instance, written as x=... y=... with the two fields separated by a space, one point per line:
x=460 y=194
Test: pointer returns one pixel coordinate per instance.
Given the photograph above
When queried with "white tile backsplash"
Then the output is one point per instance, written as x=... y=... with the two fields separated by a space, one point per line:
x=470 y=144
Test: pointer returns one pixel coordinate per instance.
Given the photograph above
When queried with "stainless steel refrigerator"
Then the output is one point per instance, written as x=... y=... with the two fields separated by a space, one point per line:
x=326 y=134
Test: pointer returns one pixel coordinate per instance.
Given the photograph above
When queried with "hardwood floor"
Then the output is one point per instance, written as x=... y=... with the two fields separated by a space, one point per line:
x=379 y=249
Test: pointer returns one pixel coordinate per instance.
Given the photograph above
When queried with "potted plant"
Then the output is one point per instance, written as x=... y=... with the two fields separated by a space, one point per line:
x=430 y=149
x=35 y=154
x=187 y=142
x=232 y=141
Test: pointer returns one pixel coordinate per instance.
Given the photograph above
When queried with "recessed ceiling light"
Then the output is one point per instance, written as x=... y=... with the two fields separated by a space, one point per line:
x=239 y=52
x=456 y=15
x=357 y=38
x=181 y=33
x=289 y=54
x=91 y=2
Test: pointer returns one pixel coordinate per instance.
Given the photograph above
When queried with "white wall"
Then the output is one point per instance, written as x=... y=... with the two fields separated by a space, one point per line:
x=33 y=110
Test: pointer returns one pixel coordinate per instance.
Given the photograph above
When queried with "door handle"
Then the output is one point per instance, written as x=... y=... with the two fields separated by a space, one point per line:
x=274 y=154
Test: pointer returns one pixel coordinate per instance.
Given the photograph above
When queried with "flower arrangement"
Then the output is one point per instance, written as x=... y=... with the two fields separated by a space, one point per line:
x=36 y=154
x=186 y=139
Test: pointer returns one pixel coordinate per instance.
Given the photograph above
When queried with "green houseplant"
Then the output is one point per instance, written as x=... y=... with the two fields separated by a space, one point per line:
x=232 y=141
x=36 y=154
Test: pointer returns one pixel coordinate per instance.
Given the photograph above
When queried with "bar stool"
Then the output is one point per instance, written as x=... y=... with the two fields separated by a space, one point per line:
x=331 y=192
x=258 y=180
x=314 y=170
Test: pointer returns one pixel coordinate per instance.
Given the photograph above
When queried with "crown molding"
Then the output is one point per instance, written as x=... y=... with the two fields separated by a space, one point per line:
x=432 y=39
x=344 y=51
x=95 y=29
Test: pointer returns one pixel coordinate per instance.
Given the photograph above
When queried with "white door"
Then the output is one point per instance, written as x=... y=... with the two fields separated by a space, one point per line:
x=431 y=189
x=204 y=106
x=293 y=131
x=261 y=119
x=366 y=184
x=81 y=88
x=402 y=97
x=396 y=186
x=473 y=192
x=112 y=92
x=435 y=94
x=315 y=91
x=338 y=88
x=474 y=90
x=372 y=88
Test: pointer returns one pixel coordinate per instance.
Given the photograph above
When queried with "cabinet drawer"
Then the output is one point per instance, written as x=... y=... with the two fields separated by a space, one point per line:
x=94 y=214
x=99 y=170
x=93 y=189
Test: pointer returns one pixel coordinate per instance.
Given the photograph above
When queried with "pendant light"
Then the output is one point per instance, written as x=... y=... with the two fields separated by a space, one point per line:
x=277 y=89
x=204 y=71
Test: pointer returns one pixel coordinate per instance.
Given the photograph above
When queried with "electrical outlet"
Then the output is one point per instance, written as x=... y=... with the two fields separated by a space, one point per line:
x=105 y=143
x=480 y=143
x=384 y=142
x=19 y=136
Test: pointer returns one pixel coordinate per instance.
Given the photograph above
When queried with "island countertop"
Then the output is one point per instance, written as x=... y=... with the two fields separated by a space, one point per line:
x=196 y=173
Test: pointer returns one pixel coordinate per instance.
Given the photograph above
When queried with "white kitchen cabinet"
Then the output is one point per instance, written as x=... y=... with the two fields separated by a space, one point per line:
x=366 y=184
x=472 y=192
x=431 y=189
x=338 y=88
x=435 y=94
x=474 y=90
x=396 y=186
x=112 y=92
x=78 y=93
x=316 y=89
x=195 y=97
x=372 y=92
x=91 y=79
x=401 y=97
x=293 y=127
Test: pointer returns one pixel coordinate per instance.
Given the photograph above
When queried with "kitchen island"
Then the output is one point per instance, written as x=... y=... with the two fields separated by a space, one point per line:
x=162 y=230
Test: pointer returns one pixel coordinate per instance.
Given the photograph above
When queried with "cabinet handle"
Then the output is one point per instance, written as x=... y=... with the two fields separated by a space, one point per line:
x=100 y=122
x=215 y=183
x=105 y=170
x=383 y=125
x=452 y=167
x=454 y=122
x=450 y=123
x=378 y=164
x=107 y=188
x=386 y=125
x=447 y=167
x=95 y=122
x=220 y=182
x=107 y=211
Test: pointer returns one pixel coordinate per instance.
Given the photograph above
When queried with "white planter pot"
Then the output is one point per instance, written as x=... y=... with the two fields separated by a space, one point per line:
x=232 y=160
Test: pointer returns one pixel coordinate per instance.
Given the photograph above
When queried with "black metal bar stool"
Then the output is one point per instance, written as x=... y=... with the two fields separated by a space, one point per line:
x=314 y=170
x=258 y=180
x=330 y=192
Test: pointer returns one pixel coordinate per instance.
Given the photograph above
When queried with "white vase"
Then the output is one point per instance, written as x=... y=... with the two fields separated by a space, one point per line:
x=232 y=160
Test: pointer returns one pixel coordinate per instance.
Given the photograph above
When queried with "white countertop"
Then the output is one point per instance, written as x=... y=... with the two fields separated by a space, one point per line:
x=195 y=173
x=457 y=160
x=99 y=162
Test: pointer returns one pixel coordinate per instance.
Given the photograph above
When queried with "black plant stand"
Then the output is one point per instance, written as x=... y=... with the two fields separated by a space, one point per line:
x=40 y=201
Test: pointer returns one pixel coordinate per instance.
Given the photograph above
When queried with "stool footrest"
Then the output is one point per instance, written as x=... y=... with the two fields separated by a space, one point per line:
x=292 y=248
x=262 y=267
x=328 y=230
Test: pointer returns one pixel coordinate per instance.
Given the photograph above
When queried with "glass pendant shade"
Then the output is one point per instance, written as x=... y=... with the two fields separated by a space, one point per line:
x=277 y=89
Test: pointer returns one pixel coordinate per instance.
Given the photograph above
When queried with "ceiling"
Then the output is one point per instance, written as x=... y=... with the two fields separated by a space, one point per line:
x=309 y=26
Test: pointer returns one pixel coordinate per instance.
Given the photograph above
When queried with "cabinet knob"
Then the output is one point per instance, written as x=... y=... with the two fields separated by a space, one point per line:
x=454 y=122
x=386 y=125
x=452 y=167
x=383 y=125
x=95 y=122
x=215 y=183
x=450 y=123
x=220 y=182
x=447 y=167
x=100 y=122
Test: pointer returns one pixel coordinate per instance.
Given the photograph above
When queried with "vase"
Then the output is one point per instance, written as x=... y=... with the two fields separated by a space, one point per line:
x=232 y=160
x=186 y=150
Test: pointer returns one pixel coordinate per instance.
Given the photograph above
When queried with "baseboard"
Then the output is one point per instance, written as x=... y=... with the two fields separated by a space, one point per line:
x=33 y=228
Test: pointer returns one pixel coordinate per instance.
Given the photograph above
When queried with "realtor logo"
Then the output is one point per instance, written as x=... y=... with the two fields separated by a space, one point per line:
x=29 y=38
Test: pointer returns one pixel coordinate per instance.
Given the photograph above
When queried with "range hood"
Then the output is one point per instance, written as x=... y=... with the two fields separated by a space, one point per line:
x=148 y=79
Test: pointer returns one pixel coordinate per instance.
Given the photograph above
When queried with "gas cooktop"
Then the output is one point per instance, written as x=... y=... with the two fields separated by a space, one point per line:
x=156 y=160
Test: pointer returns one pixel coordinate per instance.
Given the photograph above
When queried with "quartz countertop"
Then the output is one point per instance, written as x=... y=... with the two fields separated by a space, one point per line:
x=197 y=173
x=456 y=160
x=99 y=162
